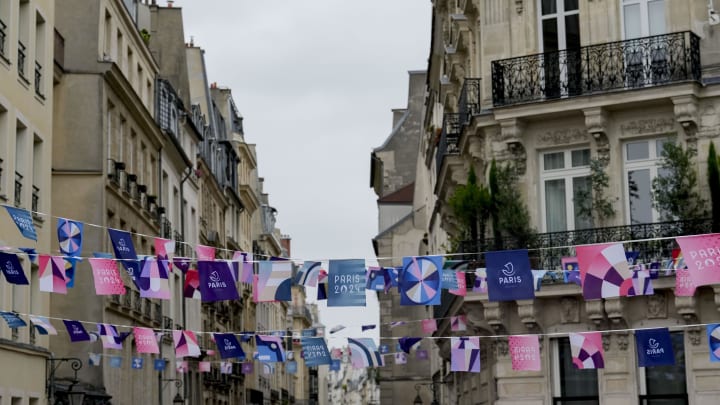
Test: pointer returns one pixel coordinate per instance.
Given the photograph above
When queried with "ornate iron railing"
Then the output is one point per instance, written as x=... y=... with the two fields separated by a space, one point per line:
x=3 y=38
x=179 y=243
x=18 y=189
x=549 y=248
x=35 y=199
x=38 y=80
x=1 y=171
x=469 y=102
x=449 y=137
x=634 y=63
x=166 y=227
x=21 y=60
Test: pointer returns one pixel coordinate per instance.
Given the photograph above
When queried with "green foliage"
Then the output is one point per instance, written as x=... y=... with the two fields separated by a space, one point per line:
x=675 y=188
x=513 y=218
x=470 y=204
x=145 y=36
x=714 y=183
x=494 y=194
x=594 y=202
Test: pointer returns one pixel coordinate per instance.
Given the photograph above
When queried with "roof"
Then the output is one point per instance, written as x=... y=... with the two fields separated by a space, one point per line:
x=402 y=195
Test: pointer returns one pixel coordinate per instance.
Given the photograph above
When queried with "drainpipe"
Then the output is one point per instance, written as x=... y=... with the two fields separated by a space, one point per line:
x=182 y=275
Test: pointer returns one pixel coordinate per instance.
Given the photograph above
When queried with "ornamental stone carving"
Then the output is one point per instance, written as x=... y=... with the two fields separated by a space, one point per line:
x=606 y=342
x=562 y=137
x=695 y=336
x=614 y=308
x=622 y=341
x=656 y=305
x=527 y=313
x=687 y=308
x=570 y=310
x=495 y=317
x=648 y=126
x=595 y=122
x=594 y=310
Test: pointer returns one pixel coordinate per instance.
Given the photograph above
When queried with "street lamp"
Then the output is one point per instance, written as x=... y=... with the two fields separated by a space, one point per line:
x=418 y=400
x=52 y=364
x=178 y=399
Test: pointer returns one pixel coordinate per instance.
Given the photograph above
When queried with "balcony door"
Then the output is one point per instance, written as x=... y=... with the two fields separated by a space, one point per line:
x=560 y=45
x=646 y=54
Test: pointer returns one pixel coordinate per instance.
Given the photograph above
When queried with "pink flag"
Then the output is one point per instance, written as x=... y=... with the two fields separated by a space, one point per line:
x=52 y=274
x=204 y=366
x=107 y=278
x=458 y=323
x=181 y=366
x=206 y=253
x=684 y=286
x=109 y=336
x=185 y=344
x=429 y=325
x=525 y=352
x=702 y=258
x=587 y=350
x=604 y=271
x=245 y=261
x=461 y=283
x=145 y=340
x=165 y=250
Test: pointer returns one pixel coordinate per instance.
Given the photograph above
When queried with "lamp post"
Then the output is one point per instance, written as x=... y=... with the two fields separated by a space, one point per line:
x=433 y=386
x=178 y=399
x=51 y=365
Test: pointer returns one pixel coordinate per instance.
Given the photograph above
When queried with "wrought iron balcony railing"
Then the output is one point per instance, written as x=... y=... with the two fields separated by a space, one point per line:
x=469 y=102
x=39 y=81
x=550 y=248
x=634 y=63
x=449 y=137
x=3 y=38
x=1 y=172
x=21 y=60
x=166 y=228
x=35 y=199
x=18 y=189
x=179 y=243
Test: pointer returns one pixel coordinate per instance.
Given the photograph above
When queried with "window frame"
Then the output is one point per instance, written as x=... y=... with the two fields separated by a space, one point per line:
x=652 y=163
x=559 y=12
x=567 y=173
x=644 y=17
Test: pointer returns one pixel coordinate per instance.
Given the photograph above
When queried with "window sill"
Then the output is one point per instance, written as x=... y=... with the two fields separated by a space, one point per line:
x=24 y=81
x=40 y=98
x=5 y=61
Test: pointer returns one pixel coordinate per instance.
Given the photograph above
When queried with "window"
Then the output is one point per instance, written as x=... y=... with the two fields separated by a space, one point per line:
x=642 y=18
x=39 y=60
x=23 y=38
x=560 y=35
x=570 y=385
x=564 y=175
x=642 y=160
x=666 y=385
x=107 y=40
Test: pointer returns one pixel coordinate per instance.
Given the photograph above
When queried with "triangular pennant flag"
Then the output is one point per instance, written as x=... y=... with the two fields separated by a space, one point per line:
x=43 y=325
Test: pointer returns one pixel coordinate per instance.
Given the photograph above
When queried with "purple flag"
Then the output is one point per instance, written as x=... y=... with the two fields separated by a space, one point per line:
x=216 y=281
x=407 y=343
x=228 y=346
x=248 y=368
x=508 y=276
x=12 y=269
x=76 y=331
x=465 y=354
x=421 y=354
x=367 y=327
x=125 y=251
x=182 y=263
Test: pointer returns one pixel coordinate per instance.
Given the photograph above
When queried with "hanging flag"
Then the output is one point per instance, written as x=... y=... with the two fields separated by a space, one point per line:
x=182 y=263
x=364 y=353
x=268 y=369
x=165 y=251
x=43 y=325
x=642 y=282
x=206 y=253
x=604 y=271
x=400 y=358
x=23 y=221
x=107 y=277
x=700 y=257
x=308 y=274
x=465 y=354
x=346 y=285
x=654 y=347
x=76 y=331
x=216 y=281
x=12 y=319
x=125 y=251
x=115 y=361
x=421 y=354
x=228 y=346
x=145 y=340
x=395 y=324
x=375 y=279
x=322 y=286
x=713 y=335
x=94 y=359
x=429 y=325
x=158 y=283
x=458 y=323
x=51 y=272
x=384 y=349
x=181 y=366
x=407 y=343
x=192 y=285
x=571 y=270
x=11 y=267
x=70 y=236
x=159 y=364
x=367 y=327
x=247 y=368
x=204 y=366
x=186 y=344
x=335 y=365
x=480 y=284
x=524 y=352
x=137 y=363
x=226 y=367
x=449 y=280
x=245 y=265
x=315 y=351
x=274 y=282
x=246 y=337
x=587 y=351
x=420 y=281
x=537 y=278
x=30 y=252
x=336 y=353
x=684 y=284
x=109 y=336
x=269 y=348
x=508 y=275
x=461 y=289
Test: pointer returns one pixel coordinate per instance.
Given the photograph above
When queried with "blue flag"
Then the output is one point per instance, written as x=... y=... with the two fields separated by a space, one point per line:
x=23 y=221
x=228 y=346
x=654 y=347
x=449 y=280
x=309 y=332
x=12 y=269
x=367 y=327
x=159 y=364
x=407 y=343
x=115 y=361
x=420 y=280
x=508 y=276
x=137 y=363
x=292 y=367
x=346 y=283
x=12 y=319
x=76 y=330
x=384 y=349
x=125 y=250
x=216 y=281
x=316 y=351
x=375 y=279
x=335 y=365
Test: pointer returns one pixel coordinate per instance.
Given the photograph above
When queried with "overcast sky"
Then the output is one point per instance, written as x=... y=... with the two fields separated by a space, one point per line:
x=316 y=81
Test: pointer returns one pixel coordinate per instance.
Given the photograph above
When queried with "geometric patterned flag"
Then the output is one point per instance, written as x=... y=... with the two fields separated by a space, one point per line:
x=51 y=272
x=76 y=331
x=11 y=267
x=181 y=366
x=538 y=277
x=429 y=325
x=308 y=274
x=375 y=279
x=642 y=282
x=407 y=343
x=145 y=341
x=571 y=270
x=465 y=354
x=525 y=352
x=156 y=274
x=70 y=239
x=400 y=358
x=248 y=368
x=94 y=359
x=269 y=348
x=587 y=350
x=654 y=347
x=12 y=319
x=107 y=277
x=713 y=335
x=246 y=260
x=192 y=285
x=322 y=285
x=364 y=353
x=186 y=344
x=226 y=367
x=182 y=263
x=165 y=250
x=458 y=323
x=43 y=325
x=109 y=336
x=420 y=280
x=604 y=271
x=273 y=282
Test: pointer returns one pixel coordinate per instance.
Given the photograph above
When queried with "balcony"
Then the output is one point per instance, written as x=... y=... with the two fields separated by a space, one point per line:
x=3 y=38
x=39 y=81
x=547 y=249
x=636 y=63
x=115 y=172
x=300 y=311
x=166 y=228
x=22 y=55
x=449 y=137
x=179 y=243
x=18 y=189
x=469 y=102
x=35 y=199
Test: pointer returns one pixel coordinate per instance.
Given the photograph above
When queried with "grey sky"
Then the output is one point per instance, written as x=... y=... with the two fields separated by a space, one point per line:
x=316 y=81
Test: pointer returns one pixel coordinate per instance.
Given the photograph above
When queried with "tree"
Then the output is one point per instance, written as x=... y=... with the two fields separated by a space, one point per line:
x=513 y=218
x=714 y=183
x=675 y=188
x=470 y=205
x=594 y=203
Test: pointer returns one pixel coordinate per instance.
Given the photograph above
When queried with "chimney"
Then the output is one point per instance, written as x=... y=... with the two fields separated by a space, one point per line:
x=170 y=3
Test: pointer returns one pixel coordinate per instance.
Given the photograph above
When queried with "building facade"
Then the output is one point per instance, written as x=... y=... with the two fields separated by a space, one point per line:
x=561 y=94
